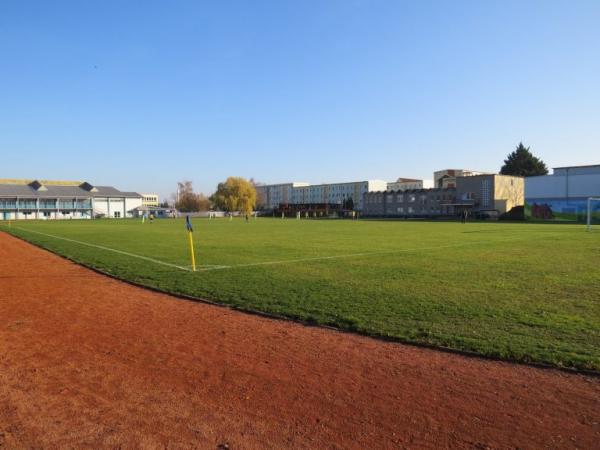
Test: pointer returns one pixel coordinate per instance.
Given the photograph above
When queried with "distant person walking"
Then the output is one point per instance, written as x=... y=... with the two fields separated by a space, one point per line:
x=464 y=214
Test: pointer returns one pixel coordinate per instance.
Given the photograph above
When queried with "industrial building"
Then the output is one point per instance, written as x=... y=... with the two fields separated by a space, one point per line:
x=45 y=199
x=318 y=196
x=489 y=195
x=565 y=191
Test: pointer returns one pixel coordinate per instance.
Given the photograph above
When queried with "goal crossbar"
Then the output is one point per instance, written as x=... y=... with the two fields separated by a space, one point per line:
x=589 y=211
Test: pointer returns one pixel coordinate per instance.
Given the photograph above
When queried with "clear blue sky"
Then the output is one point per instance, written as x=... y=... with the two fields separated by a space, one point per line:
x=142 y=94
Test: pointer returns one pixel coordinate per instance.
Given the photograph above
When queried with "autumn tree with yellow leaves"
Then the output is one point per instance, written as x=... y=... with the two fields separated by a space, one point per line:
x=235 y=194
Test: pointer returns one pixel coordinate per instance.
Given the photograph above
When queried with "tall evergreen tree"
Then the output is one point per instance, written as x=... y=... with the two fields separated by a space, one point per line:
x=522 y=163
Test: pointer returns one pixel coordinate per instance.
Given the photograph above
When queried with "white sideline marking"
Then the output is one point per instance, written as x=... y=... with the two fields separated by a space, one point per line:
x=351 y=255
x=101 y=247
x=208 y=267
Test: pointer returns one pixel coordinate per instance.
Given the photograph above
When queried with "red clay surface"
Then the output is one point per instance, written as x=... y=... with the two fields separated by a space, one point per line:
x=88 y=361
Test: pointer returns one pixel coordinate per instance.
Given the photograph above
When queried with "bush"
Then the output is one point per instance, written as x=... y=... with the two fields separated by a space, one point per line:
x=517 y=213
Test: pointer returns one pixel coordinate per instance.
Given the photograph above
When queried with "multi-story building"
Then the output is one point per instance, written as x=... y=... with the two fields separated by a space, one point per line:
x=491 y=194
x=150 y=199
x=405 y=184
x=273 y=195
x=447 y=178
x=44 y=199
x=303 y=195
x=412 y=202
x=566 y=190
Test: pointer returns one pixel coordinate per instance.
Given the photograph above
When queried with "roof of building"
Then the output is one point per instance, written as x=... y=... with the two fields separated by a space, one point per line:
x=54 y=189
x=414 y=191
x=577 y=167
x=151 y=208
x=406 y=180
x=43 y=182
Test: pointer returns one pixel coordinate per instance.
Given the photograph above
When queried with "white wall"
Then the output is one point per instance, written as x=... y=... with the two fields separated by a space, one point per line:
x=132 y=203
x=555 y=186
x=120 y=204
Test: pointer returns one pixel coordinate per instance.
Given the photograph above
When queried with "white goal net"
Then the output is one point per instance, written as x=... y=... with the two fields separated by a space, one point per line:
x=593 y=212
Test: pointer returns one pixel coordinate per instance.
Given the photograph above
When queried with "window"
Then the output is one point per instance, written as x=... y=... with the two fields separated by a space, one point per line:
x=400 y=209
x=389 y=198
x=485 y=193
x=400 y=198
x=411 y=198
x=117 y=214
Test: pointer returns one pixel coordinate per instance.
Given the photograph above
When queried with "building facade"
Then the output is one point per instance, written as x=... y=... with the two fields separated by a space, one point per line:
x=304 y=195
x=405 y=184
x=273 y=195
x=150 y=200
x=476 y=194
x=44 y=199
x=447 y=178
x=565 y=191
x=410 y=203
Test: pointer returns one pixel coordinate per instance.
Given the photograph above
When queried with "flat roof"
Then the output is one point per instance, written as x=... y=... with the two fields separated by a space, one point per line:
x=576 y=167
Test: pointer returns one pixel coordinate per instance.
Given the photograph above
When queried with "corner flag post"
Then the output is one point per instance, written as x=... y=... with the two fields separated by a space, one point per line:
x=190 y=230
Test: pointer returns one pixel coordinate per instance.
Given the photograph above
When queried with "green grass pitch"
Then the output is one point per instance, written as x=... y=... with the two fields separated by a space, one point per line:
x=527 y=292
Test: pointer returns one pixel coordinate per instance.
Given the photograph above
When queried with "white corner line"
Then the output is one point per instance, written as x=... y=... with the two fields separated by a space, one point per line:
x=108 y=249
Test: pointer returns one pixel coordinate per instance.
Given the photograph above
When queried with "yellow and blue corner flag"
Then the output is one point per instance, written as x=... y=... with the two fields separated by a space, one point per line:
x=188 y=225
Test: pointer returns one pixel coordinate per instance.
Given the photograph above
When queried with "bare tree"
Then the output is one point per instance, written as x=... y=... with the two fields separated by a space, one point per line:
x=186 y=200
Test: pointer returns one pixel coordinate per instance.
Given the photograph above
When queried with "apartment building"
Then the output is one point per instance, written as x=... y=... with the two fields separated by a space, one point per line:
x=274 y=195
x=405 y=184
x=330 y=195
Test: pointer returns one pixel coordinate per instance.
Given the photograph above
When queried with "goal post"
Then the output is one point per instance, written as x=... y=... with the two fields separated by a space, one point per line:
x=590 y=206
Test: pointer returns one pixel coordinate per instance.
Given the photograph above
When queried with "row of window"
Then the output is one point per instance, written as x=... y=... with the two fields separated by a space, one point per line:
x=423 y=210
x=46 y=213
x=411 y=198
x=45 y=204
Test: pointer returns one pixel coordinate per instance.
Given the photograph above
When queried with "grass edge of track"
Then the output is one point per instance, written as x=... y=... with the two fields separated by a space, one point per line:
x=357 y=332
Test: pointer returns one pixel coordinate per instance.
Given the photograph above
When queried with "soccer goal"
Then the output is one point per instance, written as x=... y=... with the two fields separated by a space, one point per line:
x=593 y=210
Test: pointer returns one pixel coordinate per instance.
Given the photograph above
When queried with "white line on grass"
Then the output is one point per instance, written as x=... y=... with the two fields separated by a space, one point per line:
x=108 y=249
x=209 y=267
x=351 y=255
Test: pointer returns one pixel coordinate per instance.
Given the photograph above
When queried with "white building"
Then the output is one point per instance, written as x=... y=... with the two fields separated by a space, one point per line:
x=318 y=194
x=44 y=199
x=274 y=195
x=566 y=190
x=405 y=184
